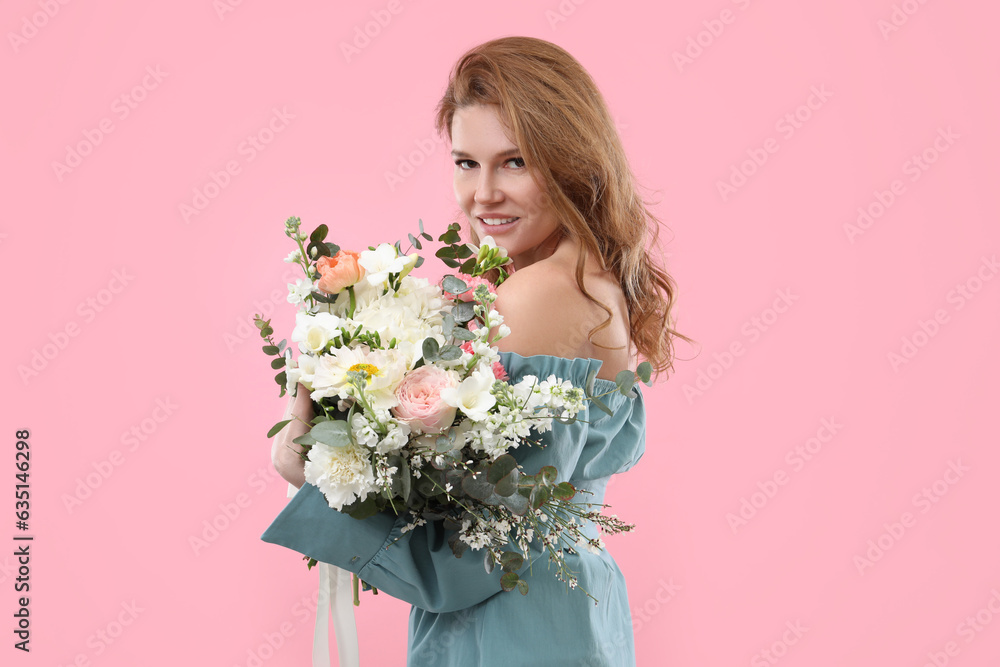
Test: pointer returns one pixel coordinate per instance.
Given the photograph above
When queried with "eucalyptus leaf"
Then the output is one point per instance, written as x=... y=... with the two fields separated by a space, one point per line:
x=539 y=496
x=489 y=562
x=564 y=491
x=500 y=468
x=589 y=382
x=625 y=379
x=477 y=486
x=443 y=443
x=547 y=475
x=334 y=433
x=404 y=472
x=600 y=404
x=447 y=324
x=645 y=370
x=516 y=503
x=305 y=439
x=507 y=485
x=430 y=349
x=464 y=311
x=461 y=333
x=511 y=561
x=509 y=581
x=454 y=285
x=277 y=427
x=450 y=352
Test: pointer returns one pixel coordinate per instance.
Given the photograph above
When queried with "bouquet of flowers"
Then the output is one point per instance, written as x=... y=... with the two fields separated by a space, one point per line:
x=413 y=410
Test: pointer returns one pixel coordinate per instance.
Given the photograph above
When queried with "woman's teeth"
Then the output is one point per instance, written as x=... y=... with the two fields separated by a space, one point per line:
x=497 y=221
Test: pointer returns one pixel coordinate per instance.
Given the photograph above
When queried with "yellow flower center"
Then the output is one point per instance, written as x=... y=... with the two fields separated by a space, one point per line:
x=370 y=370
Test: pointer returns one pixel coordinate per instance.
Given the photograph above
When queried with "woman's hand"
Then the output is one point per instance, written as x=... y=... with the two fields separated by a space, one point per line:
x=285 y=454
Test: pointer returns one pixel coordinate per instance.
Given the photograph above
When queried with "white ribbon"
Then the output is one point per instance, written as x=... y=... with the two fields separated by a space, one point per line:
x=336 y=595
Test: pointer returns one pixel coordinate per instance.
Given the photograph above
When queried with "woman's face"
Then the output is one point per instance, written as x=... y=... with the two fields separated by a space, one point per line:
x=492 y=184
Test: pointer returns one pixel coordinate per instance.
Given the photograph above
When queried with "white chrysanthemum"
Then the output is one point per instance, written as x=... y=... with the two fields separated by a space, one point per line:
x=299 y=290
x=313 y=332
x=472 y=396
x=382 y=261
x=343 y=474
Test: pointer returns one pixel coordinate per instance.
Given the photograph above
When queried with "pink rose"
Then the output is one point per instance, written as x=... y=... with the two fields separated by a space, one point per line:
x=420 y=404
x=340 y=271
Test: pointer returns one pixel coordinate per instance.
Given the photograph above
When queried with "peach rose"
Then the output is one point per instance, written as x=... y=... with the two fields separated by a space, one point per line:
x=339 y=272
x=420 y=403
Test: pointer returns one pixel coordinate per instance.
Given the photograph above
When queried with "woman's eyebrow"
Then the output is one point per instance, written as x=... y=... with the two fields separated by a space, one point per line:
x=511 y=151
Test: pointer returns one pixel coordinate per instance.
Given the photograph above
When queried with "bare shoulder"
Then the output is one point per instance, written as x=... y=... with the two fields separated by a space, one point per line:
x=535 y=303
x=549 y=314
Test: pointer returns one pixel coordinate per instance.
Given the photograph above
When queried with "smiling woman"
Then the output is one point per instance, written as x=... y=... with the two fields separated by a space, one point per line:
x=539 y=166
x=540 y=169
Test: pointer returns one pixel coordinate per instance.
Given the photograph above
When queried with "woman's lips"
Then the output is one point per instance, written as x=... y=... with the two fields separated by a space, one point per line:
x=501 y=227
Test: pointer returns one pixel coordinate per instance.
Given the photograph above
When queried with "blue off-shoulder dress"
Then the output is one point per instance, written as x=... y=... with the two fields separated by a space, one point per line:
x=460 y=614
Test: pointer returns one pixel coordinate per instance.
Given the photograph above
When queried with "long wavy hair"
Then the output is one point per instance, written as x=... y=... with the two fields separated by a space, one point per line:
x=559 y=120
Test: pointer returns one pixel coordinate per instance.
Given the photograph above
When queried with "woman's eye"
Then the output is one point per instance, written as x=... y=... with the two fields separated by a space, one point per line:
x=461 y=163
x=518 y=160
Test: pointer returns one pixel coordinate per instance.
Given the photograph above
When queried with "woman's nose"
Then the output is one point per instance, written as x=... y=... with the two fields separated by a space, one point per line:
x=487 y=191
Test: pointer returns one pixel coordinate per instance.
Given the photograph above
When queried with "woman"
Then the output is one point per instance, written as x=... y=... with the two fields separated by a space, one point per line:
x=540 y=168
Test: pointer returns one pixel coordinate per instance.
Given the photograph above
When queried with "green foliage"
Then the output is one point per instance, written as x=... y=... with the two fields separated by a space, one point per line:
x=277 y=427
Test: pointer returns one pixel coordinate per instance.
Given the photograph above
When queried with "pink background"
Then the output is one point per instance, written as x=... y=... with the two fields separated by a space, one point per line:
x=135 y=306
